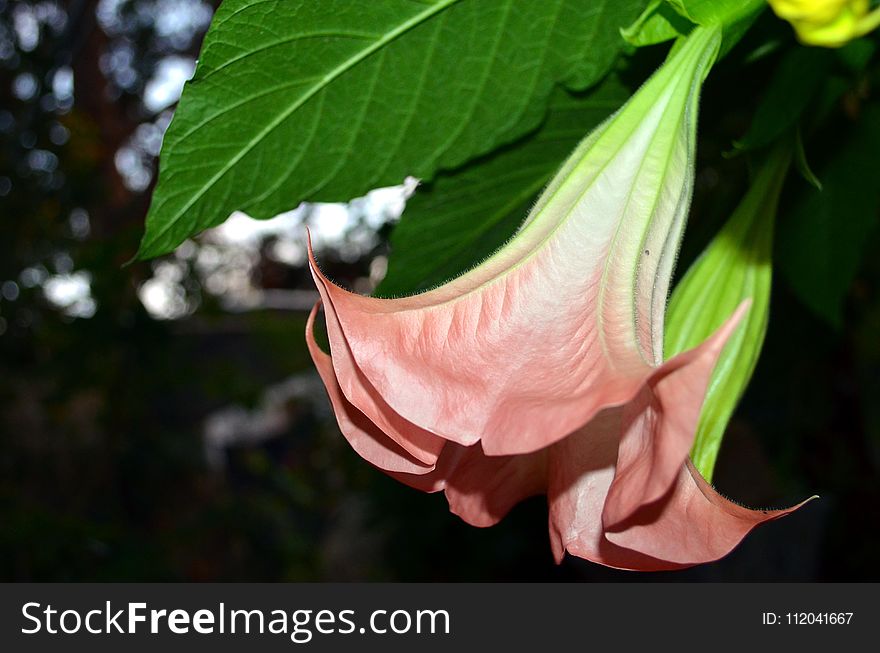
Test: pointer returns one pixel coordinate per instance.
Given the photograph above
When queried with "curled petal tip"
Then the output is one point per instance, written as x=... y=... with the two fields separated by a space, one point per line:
x=310 y=251
x=694 y=524
x=364 y=436
x=659 y=425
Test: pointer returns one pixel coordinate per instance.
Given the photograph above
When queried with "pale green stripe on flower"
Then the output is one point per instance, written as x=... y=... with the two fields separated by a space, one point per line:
x=737 y=265
x=638 y=166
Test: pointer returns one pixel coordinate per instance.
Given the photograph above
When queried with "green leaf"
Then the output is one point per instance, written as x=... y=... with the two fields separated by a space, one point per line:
x=735 y=266
x=802 y=165
x=657 y=24
x=324 y=100
x=787 y=95
x=825 y=232
x=724 y=12
x=736 y=16
x=465 y=215
x=663 y=20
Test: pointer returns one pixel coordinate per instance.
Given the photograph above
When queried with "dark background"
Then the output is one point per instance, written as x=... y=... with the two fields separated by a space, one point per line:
x=105 y=469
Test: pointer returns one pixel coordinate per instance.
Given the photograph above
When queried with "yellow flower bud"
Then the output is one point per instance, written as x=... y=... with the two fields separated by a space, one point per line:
x=829 y=23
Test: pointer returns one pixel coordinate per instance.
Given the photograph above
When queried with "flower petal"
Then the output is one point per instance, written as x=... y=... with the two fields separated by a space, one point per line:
x=691 y=525
x=363 y=435
x=660 y=423
x=419 y=443
x=482 y=489
x=580 y=471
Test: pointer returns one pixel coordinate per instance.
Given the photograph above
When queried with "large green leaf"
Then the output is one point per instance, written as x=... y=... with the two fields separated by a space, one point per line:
x=465 y=215
x=735 y=266
x=825 y=233
x=326 y=99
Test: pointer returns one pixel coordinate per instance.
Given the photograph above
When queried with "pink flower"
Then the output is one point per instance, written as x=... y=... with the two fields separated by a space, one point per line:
x=541 y=370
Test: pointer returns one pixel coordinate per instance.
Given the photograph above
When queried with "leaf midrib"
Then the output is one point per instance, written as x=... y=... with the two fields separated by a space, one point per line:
x=325 y=80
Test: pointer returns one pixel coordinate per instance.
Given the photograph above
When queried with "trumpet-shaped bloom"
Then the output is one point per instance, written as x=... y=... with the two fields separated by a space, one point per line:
x=541 y=370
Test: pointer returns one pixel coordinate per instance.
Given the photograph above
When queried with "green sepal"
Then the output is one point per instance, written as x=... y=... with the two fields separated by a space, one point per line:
x=734 y=267
x=664 y=20
x=658 y=23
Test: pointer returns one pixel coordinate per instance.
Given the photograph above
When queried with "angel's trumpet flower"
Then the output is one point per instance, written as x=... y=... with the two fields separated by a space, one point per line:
x=541 y=370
